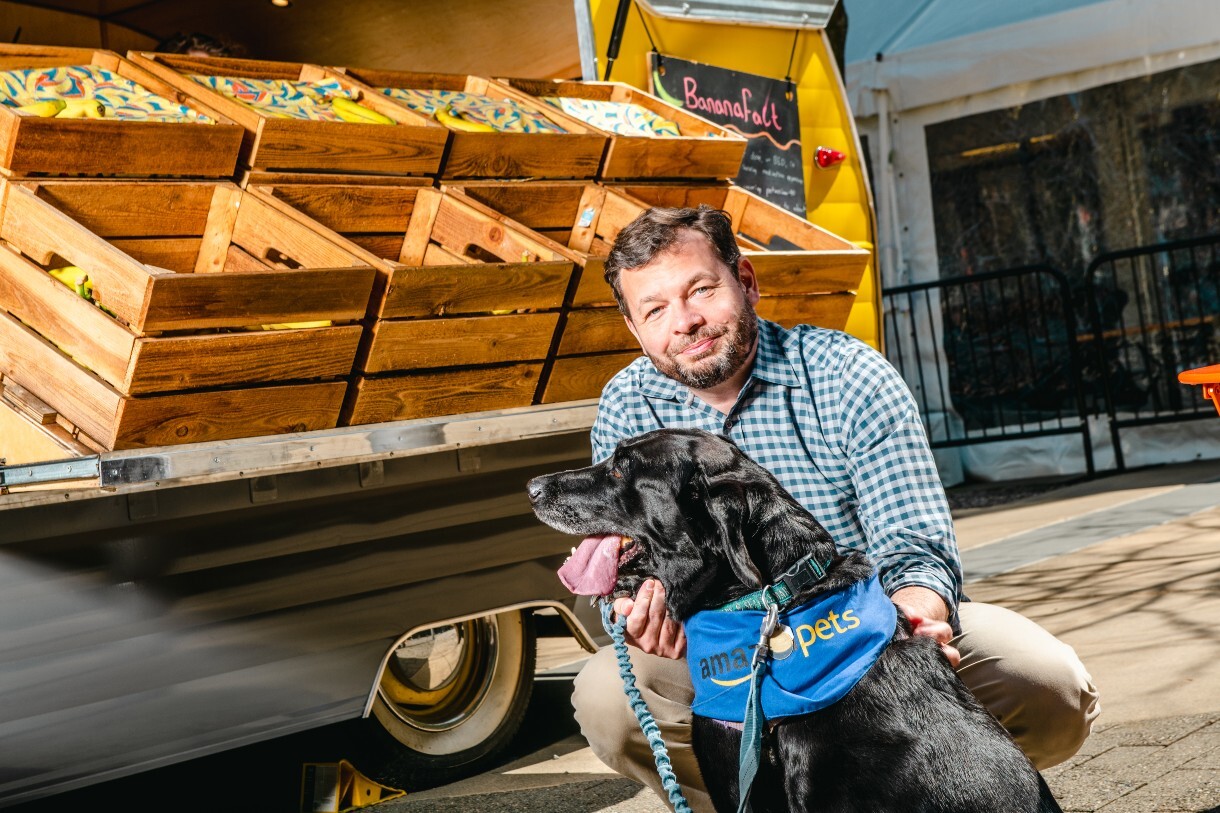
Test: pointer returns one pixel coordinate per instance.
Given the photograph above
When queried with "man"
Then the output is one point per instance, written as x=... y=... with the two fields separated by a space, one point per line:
x=837 y=426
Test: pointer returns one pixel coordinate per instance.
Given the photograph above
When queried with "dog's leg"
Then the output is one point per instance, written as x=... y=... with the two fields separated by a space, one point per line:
x=716 y=748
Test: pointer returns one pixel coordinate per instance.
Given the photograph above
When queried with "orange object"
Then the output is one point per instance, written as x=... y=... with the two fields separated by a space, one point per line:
x=1206 y=377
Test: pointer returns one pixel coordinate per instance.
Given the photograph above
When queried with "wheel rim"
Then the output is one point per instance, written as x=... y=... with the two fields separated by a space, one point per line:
x=438 y=679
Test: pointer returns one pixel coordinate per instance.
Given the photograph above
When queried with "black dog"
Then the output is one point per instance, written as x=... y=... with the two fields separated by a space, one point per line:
x=713 y=526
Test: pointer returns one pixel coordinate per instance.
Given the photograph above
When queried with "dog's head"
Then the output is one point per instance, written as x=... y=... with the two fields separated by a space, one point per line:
x=685 y=506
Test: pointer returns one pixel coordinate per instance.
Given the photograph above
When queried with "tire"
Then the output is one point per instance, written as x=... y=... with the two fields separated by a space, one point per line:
x=452 y=699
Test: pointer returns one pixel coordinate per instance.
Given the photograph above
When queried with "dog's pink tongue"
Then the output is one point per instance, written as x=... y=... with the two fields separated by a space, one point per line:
x=593 y=568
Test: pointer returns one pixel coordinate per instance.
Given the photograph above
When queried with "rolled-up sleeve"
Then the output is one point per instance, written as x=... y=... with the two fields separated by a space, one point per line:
x=901 y=502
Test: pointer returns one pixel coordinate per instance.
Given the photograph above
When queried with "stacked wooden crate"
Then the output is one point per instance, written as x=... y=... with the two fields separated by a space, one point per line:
x=406 y=268
x=464 y=311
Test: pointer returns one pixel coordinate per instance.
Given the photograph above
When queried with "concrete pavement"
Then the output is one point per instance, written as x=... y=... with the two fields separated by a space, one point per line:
x=1125 y=568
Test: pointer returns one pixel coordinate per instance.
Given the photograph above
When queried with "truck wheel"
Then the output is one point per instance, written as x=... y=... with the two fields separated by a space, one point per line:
x=451 y=699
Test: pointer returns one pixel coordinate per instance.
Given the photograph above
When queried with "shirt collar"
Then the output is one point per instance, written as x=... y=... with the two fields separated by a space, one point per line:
x=770 y=365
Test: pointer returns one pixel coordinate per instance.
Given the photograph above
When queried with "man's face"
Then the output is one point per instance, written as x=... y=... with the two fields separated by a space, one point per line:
x=691 y=316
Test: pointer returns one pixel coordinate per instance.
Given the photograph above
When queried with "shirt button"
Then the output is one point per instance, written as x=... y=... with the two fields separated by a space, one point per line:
x=728 y=424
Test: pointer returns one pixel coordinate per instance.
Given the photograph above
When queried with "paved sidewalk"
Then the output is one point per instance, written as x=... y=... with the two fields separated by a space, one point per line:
x=1126 y=569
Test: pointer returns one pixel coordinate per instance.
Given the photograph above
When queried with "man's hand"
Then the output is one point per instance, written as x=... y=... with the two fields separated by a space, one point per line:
x=929 y=616
x=649 y=626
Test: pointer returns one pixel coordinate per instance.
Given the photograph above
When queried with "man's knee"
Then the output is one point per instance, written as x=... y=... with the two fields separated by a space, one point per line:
x=601 y=708
x=1034 y=684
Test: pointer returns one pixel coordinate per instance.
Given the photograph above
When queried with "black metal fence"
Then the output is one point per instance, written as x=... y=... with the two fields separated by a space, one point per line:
x=1021 y=353
x=1153 y=312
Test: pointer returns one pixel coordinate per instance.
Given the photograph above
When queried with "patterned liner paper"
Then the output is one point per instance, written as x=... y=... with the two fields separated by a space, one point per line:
x=621 y=118
x=281 y=98
x=503 y=114
x=122 y=98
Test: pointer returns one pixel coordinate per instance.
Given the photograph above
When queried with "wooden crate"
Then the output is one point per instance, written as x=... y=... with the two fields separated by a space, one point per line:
x=574 y=154
x=412 y=146
x=31 y=146
x=806 y=274
x=465 y=308
x=703 y=150
x=186 y=268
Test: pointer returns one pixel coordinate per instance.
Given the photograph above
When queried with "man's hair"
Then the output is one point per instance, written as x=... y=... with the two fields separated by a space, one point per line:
x=656 y=230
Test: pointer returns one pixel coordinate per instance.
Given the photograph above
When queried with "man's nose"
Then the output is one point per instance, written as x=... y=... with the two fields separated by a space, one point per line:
x=686 y=318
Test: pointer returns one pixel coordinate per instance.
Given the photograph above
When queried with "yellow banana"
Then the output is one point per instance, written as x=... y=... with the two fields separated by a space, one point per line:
x=44 y=109
x=447 y=117
x=294 y=325
x=76 y=279
x=348 y=110
x=82 y=109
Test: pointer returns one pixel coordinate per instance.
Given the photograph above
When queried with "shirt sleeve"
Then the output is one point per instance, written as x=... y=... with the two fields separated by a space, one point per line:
x=901 y=502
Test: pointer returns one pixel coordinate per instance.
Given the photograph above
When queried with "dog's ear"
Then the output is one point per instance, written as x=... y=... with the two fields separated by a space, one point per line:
x=727 y=505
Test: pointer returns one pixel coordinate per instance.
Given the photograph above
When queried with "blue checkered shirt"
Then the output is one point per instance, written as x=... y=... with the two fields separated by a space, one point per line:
x=837 y=426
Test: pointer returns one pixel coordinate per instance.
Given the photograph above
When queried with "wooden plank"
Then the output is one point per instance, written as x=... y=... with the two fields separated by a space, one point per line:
x=226 y=414
x=43 y=232
x=684 y=158
x=222 y=217
x=258 y=356
x=113 y=209
x=618 y=210
x=480 y=288
x=237 y=299
x=435 y=255
x=675 y=196
x=75 y=393
x=593 y=290
x=238 y=260
x=581 y=377
x=350 y=209
x=524 y=155
x=584 y=227
x=801 y=272
x=762 y=220
x=171 y=253
x=463 y=224
x=341 y=146
x=419 y=229
x=596 y=330
x=410 y=344
x=263 y=178
x=117 y=147
x=396 y=398
x=28 y=404
x=542 y=205
x=268 y=233
x=24 y=440
x=821 y=310
x=384 y=246
x=80 y=328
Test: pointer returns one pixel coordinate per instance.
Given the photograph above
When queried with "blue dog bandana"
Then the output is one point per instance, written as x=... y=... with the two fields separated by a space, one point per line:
x=819 y=653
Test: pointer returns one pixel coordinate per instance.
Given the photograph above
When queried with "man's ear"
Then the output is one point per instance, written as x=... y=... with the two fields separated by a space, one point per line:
x=749 y=279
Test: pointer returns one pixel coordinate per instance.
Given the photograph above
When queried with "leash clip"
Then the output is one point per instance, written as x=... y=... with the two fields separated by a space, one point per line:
x=769 y=625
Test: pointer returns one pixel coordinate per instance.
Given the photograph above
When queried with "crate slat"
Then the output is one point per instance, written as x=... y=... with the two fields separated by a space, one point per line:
x=421 y=395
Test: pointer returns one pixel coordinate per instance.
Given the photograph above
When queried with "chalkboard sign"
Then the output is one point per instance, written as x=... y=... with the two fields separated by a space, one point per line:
x=760 y=108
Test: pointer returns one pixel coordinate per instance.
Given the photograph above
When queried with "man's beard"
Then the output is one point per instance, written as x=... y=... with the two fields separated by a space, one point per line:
x=711 y=371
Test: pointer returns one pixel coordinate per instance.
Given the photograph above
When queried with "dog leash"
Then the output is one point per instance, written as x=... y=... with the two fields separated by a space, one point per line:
x=660 y=755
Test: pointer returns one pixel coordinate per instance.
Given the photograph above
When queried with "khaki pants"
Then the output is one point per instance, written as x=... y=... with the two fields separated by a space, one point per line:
x=1033 y=683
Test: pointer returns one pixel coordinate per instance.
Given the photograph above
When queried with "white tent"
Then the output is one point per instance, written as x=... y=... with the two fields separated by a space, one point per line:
x=914 y=65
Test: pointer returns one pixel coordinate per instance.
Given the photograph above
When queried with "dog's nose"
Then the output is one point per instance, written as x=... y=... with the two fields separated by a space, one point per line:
x=534 y=488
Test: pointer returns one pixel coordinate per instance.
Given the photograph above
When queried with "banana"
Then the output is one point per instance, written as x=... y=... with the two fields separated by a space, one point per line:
x=44 y=109
x=660 y=92
x=76 y=279
x=348 y=110
x=447 y=117
x=294 y=325
x=82 y=109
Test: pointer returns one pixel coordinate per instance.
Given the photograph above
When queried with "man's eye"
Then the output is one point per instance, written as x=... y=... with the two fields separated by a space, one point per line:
x=652 y=313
